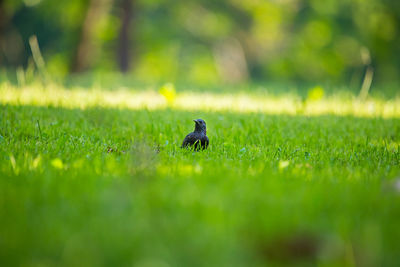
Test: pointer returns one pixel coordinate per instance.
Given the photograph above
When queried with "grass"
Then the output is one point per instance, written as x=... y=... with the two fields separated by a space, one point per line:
x=93 y=182
x=341 y=103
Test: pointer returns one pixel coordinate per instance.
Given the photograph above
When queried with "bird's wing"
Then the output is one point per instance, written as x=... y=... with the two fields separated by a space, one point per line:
x=189 y=139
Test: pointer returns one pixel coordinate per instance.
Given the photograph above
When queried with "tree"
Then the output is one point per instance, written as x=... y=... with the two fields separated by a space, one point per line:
x=87 y=48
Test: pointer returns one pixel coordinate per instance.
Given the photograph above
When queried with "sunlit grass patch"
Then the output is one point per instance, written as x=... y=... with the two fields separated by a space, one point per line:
x=314 y=104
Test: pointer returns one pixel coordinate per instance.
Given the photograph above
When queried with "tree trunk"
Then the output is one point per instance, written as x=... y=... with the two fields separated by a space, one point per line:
x=88 y=47
x=123 y=52
x=3 y=22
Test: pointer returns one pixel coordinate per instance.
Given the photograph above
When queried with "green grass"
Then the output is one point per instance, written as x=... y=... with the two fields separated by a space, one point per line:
x=109 y=185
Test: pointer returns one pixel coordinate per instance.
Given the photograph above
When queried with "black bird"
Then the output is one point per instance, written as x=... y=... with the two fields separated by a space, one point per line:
x=198 y=138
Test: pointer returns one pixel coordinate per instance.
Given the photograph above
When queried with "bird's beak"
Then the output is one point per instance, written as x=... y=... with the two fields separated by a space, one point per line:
x=196 y=121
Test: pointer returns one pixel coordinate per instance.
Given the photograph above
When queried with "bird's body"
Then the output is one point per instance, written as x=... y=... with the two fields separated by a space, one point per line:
x=198 y=138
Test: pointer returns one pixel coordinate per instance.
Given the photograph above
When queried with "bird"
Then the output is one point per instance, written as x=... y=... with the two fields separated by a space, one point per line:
x=198 y=138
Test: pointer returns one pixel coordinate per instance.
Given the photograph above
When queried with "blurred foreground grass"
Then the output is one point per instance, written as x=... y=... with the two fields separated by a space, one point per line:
x=97 y=178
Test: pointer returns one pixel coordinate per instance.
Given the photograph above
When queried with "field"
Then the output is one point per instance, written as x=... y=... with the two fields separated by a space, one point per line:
x=96 y=177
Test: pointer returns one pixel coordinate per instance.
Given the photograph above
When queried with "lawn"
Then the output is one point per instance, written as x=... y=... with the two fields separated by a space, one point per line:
x=91 y=177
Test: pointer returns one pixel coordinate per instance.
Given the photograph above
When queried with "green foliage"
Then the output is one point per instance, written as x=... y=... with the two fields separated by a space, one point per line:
x=111 y=187
x=301 y=40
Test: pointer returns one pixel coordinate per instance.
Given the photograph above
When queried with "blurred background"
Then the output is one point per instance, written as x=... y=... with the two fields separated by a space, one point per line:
x=206 y=41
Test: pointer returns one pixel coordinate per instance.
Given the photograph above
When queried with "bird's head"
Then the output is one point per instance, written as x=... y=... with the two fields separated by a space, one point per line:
x=200 y=125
